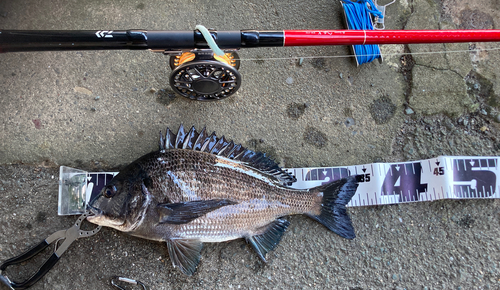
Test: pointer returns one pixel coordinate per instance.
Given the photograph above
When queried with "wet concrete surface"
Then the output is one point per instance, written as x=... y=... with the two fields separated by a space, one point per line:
x=103 y=109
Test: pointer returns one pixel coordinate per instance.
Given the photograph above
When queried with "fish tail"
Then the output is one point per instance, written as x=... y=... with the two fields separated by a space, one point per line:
x=333 y=213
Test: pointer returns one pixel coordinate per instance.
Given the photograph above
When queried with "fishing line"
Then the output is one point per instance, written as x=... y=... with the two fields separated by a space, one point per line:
x=385 y=54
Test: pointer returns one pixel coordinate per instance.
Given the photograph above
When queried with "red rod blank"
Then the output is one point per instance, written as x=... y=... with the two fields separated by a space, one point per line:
x=352 y=37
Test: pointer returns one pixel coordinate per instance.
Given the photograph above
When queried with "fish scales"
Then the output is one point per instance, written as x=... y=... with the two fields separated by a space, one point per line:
x=192 y=176
x=199 y=188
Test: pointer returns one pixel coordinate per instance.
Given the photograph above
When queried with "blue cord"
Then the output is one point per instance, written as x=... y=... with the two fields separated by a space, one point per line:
x=358 y=18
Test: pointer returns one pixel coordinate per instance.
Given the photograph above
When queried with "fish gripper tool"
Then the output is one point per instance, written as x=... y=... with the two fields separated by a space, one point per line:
x=66 y=236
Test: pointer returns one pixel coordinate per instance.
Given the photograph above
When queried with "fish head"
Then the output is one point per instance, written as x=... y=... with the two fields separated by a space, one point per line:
x=122 y=203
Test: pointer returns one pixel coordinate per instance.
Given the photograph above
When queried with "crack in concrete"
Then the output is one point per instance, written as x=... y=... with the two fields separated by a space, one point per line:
x=407 y=64
x=439 y=69
x=407 y=61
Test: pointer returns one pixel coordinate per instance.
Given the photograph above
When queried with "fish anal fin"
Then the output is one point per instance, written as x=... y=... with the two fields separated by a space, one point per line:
x=181 y=213
x=269 y=239
x=185 y=254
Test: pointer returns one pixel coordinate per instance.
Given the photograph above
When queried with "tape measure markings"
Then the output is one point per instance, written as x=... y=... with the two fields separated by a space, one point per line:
x=426 y=180
x=444 y=177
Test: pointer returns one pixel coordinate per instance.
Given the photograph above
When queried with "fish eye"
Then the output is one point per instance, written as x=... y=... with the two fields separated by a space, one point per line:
x=110 y=192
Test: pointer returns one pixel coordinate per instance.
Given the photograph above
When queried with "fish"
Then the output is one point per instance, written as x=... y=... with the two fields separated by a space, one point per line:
x=199 y=188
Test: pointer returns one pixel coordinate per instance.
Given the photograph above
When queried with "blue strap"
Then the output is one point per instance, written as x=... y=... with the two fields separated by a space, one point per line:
x=373 y=10
x=358 y=18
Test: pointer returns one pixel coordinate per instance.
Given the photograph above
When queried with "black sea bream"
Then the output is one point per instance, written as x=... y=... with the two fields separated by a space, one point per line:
x=199 y=188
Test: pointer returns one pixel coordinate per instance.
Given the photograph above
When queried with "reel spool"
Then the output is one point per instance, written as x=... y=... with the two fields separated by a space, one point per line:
x=201 y=75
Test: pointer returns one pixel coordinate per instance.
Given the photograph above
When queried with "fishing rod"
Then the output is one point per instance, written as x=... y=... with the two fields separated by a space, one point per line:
x=204 y=62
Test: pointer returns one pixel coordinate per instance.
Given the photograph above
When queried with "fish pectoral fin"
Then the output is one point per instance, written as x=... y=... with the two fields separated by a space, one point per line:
x=181 y=213
x=269 y=239
x=185 y=254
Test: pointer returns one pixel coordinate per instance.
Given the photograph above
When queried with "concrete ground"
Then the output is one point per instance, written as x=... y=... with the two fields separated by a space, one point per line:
x=101 y=110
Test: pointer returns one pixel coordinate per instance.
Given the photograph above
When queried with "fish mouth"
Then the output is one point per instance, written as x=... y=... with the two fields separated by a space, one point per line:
x=95 y=214
x=99 y=216
x=94 y=211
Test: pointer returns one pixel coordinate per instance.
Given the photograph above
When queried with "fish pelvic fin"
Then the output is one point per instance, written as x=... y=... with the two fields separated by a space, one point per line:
x=185 y=254
x=182 y=213
x=269 y=239
x=333 y=215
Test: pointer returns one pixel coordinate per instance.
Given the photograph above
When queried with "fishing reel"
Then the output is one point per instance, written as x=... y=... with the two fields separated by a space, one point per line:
x=201 y=75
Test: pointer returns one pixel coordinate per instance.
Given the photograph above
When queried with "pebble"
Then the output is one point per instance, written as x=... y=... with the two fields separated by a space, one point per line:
x=93 y=109
x=340 y=75
x=289 y=80
x=497 y=118
x=97 y=98
x=349 y=122
x=483 y=111
x=82 y=90
x=448 y=124
x=409 y=111
x=301 y=61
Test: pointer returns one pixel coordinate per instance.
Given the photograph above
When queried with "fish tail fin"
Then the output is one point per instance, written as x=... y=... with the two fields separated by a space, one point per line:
x=333 y=214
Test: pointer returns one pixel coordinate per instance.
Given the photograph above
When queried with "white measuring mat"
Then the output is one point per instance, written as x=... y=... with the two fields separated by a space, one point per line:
x=444 y=177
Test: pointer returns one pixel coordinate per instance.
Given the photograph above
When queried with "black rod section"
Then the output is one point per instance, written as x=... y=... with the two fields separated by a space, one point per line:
x=58 y=40
x=49 y=40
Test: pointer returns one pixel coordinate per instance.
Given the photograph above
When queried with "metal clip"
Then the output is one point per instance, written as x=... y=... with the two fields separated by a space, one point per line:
x=379 y=21
x=126 y=280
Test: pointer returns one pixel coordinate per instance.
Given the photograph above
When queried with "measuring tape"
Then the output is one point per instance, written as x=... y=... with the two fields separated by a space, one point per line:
x=443 y=177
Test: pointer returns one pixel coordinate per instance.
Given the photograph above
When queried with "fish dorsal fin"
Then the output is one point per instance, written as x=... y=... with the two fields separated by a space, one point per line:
x=209 y=143
x=167 y=142
x=200 y=140
x=228 y=147
x=181 y=134
x=185 y=254
x=184 y=212
x=269 y=239
x=204 y=142
x=190 y=139
x=221 y=143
